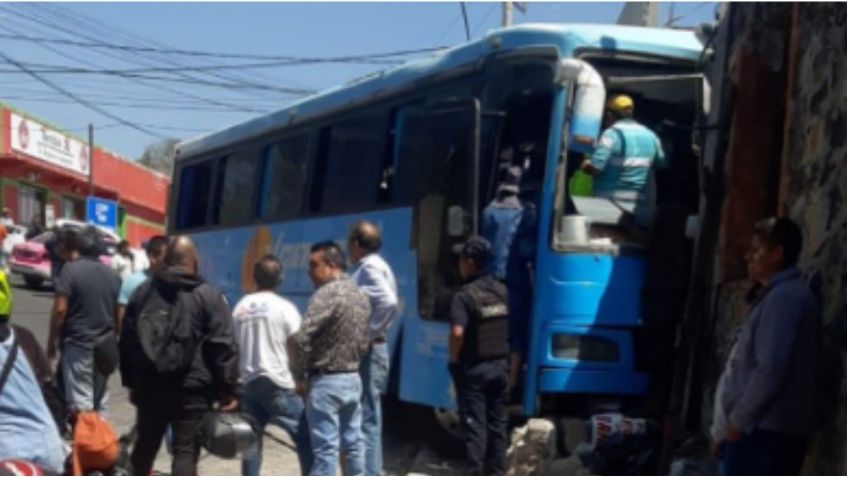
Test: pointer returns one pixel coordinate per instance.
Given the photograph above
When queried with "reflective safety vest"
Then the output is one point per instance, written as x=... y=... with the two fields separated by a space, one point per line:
x=625 y=154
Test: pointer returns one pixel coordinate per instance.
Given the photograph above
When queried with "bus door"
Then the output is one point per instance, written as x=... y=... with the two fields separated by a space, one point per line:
x=435 y=171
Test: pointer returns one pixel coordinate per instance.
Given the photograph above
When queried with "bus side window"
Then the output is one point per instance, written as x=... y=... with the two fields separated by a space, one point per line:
x=433 y=175
x=284 y=178
x=194 y=191
x=352 y=167
x=236 y=189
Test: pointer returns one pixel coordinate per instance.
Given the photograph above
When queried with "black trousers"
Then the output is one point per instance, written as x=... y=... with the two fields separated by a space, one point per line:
x=482 y=396
x=764 y=452
x=184 y=413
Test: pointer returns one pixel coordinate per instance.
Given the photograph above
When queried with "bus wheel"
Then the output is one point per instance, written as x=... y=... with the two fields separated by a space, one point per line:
x=439 y=428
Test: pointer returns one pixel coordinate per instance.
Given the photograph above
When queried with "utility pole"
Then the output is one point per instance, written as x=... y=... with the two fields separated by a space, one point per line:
x=90 y=160
x=507 y=14
x=671 y=18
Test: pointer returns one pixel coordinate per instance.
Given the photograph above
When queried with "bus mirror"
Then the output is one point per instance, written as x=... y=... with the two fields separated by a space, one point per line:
x=456 y=221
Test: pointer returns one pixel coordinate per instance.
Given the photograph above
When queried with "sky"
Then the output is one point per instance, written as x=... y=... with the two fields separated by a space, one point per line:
x=39 y=37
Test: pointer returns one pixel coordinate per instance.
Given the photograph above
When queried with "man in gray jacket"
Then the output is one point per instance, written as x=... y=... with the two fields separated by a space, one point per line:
x=765 y=405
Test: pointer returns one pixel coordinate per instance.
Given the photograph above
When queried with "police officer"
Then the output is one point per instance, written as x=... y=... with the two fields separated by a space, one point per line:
x=478 y=351
x=623 y=161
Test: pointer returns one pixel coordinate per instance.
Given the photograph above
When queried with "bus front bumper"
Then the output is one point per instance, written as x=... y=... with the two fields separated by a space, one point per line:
x=571 y=381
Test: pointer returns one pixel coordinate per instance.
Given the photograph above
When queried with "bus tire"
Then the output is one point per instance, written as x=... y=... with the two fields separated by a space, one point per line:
x=439 y=429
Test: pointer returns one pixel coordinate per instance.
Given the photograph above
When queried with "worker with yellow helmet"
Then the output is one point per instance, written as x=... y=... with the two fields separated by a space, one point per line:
x=624 y=158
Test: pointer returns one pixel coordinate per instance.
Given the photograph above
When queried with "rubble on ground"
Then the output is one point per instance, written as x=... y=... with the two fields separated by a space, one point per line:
x=532 y=449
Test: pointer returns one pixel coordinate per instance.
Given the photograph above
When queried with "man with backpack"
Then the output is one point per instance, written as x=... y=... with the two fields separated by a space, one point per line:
x=178 y=357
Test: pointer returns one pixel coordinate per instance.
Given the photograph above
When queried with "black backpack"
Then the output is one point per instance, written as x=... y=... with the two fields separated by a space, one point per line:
x=164 y=332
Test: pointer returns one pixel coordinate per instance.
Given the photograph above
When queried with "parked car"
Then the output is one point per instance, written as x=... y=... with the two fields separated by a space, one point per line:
x=31 y=259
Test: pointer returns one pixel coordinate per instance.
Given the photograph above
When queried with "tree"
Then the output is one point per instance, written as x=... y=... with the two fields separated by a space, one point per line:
x=159 y=156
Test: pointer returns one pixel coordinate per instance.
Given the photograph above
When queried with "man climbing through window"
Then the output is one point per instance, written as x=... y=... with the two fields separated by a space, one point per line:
x=624 y=159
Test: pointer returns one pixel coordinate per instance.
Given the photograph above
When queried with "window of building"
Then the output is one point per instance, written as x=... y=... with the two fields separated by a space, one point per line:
x=236 y=189
x=72 y=208
x=349 y=168
x=284 y=178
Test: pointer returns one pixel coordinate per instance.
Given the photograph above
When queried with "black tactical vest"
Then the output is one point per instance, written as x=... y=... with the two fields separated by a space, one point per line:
x=486 y=336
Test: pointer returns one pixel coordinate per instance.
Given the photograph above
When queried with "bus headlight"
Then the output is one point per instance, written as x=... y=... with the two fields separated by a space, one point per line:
x=584 y=348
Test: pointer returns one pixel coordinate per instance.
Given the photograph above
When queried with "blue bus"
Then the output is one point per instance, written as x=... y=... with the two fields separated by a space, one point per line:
x=417 y=149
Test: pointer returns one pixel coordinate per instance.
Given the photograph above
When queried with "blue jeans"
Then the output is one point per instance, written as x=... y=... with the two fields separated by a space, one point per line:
x=334 y=414
x=763 y=452
x=268 y=403
x=374 y=371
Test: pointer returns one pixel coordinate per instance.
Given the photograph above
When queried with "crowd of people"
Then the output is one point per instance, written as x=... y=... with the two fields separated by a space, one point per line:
x=183 y=353
x=171 y=333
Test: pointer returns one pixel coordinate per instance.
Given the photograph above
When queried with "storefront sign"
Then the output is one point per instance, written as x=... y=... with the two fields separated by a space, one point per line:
x=48 y=145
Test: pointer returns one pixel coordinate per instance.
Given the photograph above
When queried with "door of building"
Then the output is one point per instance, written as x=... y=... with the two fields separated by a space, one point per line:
x=31 y=202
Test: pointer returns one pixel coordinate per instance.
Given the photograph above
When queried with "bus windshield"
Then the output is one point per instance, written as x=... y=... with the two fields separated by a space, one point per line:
x=666 y=95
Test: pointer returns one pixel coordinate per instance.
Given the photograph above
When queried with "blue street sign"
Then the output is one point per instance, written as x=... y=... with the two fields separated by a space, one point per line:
x=102 y=212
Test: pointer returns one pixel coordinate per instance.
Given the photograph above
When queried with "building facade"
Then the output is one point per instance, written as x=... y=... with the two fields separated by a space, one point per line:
x=44 y=175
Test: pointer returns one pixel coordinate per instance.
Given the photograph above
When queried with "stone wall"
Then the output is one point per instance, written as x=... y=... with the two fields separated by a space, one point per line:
x=802 y=46
x=813 y=194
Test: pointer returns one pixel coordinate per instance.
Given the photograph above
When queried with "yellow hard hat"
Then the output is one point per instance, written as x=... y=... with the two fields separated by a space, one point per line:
x=620 y=102
x=5 y=295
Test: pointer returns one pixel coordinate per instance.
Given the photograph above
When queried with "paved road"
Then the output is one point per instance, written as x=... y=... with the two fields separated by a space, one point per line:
x=404 y=453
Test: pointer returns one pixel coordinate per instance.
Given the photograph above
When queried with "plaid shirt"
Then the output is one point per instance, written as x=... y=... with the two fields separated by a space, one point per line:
x=334 y=334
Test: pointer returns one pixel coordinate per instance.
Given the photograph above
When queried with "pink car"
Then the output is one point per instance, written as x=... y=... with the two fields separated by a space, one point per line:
x=31 y=260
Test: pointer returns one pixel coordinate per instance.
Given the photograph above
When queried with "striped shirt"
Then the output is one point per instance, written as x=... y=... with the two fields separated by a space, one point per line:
x=625 y=154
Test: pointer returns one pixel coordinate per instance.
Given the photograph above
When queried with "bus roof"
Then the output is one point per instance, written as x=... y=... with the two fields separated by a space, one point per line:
x=678 y=44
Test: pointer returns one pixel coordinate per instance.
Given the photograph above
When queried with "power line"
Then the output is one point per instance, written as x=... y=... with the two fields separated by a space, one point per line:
x=447 y=30
x=137 y=39
x=485 y=17
x=154 y=126
x=372 y=58
x=15 y=88
x=162 y=106
x=142 y=82
x=81 y=101
x=47 y=69
x=84 y=25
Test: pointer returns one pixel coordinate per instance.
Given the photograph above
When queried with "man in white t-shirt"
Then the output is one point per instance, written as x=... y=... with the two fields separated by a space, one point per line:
x=264 y=323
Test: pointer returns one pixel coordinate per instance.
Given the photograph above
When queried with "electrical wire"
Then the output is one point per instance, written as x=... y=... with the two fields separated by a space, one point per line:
x=152 y=85
x=46 y=69
x=164 y=107
x=485 y=17
x=81 y=101
x=370 y=58
x=147 y=84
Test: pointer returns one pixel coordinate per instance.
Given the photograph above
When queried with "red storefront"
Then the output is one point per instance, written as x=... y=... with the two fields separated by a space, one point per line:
x=45 y=172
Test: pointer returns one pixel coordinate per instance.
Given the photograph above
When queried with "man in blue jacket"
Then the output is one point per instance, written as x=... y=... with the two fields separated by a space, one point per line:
x=767 y=400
